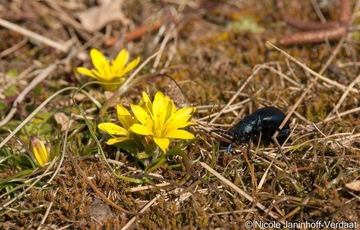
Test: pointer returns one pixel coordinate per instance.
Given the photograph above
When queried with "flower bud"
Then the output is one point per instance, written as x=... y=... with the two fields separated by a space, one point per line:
x=39 y=151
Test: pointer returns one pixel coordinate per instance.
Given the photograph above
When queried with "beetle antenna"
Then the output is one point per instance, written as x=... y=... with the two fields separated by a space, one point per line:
x=227 y=133
x=220 y=131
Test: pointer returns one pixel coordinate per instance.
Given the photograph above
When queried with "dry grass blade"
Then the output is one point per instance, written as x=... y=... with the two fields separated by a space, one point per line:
x=25 y=191
x=217 y=55
x=317 y=76
x=345 y=94
x=240 y=191
x=36 y=81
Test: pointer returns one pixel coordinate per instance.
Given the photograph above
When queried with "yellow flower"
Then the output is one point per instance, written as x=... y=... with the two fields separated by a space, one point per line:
x=119 y=133
x=109 y=71
x=160 y=120
x=39 y=151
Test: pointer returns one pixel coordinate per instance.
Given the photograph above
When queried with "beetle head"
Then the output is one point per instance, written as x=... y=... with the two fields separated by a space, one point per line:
x=245 y=130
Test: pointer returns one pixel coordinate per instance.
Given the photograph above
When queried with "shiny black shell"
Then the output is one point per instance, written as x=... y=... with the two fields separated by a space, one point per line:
x=265 y=120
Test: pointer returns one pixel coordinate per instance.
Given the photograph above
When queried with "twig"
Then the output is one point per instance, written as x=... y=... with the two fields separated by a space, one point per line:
x=35 y=36
x=22 y=16
x=141 y=211
x=314 y=36
x=347 y=112
x=146 y=187
x=137 y=33
x=45 y=216
x=319 y=32
x=13 y=48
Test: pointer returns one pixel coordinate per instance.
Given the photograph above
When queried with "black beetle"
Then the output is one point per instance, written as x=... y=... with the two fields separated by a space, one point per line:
x=264 y=121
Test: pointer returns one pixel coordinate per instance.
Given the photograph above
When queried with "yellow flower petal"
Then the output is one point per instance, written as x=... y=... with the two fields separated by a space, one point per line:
x=141 y=130
x=131 y=66
x=124 y=116
x=145 y=97
x=189 y=123
x=112 y=141
x=101 y=64
x=163 y=143
x=170 y=109
x=145 y=103
x=112 y=129
x=180 y=119
x=91 y=73
x=100 y=76
x=180 y=134
x=109 y=71
x=159 y=113
x=119 y=63
x=85 y=71
x=140 y=114
x=98 y=59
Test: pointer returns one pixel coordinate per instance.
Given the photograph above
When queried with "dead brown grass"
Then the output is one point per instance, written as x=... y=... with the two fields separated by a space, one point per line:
x=220 y=55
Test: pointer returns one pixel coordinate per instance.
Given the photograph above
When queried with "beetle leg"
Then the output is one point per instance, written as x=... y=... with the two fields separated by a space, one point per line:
x=248 y=148
x=229 y=149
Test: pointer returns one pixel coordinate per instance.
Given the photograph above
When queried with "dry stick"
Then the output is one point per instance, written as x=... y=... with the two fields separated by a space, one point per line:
x=13 y=48
x=354 y=110
x=322 y=31
x=318 y=11
x=141 y=211
x=168 y=36
x=312 y=37
x=137 y=33
x=40 y=78
x=38 y=37
x=98 y=192
x=240 y=191
x=45 y=216
x=146 y=187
